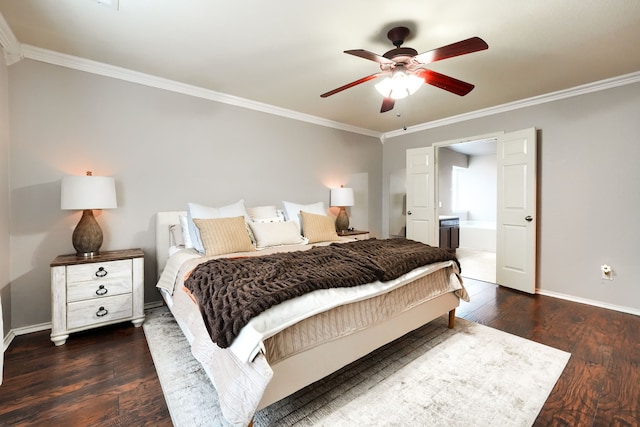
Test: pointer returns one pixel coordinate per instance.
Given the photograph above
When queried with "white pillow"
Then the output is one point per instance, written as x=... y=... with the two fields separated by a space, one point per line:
x=267 y=234
x=292 y=211
x=186 y=236
x=262 y=212
x=195 y=210
x=265 y=214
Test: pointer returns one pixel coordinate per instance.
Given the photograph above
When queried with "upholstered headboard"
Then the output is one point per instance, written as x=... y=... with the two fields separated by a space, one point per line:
x=164 y=239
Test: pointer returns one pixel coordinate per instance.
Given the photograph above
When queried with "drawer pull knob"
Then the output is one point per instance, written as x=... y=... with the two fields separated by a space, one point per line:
x=102 y=312
x=101 y=272
x=101 y=290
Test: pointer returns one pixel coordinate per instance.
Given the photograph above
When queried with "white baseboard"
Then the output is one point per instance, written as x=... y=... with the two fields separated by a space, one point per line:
x=7 y=340
x=23 y=331
x=46 y=326
x=622 y=309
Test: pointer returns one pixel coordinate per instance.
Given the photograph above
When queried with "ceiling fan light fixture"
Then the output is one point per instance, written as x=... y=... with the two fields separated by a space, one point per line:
x=400 y=85
x=404 y=65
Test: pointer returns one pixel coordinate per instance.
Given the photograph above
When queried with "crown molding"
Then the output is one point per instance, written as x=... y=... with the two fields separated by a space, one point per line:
x=99 y=68
x=14 y=52
x=523 y=103
x=9 y=43
x=7 y=38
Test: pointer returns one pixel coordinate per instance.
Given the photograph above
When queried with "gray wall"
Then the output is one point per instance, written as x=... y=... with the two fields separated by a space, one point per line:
x=482 y=187
x=588 y=193
x=446 y=160
x=5 y=290
x=164 y=150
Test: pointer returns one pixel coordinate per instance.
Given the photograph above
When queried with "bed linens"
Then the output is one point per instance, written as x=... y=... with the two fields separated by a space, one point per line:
x=240 y=378
x=230 y=292
x=292 y=312
x=273 y=320
x=335 y=321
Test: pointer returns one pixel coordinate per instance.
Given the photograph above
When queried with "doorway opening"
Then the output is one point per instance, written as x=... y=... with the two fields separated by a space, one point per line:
x=467 y=190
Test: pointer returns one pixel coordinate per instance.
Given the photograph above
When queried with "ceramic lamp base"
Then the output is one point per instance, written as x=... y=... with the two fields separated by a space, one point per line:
x=87 y=236
x=342 y=221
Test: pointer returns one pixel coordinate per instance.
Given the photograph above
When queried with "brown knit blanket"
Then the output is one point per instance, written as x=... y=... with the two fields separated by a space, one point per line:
x=231 y=291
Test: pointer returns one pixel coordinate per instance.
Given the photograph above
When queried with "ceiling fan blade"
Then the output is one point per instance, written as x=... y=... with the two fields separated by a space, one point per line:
x=369 y=55
x=352 y=84
x=474 y=44
x=444 y=82
x=387 y=104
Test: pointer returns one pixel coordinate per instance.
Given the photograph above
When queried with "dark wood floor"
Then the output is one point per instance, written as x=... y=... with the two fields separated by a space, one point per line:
x=106 y=377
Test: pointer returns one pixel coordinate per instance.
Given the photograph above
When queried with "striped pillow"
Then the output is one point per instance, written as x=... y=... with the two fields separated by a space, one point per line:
x=319 y=228
x=224 y=235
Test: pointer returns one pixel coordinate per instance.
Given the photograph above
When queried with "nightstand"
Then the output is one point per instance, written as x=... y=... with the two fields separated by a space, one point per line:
x=90 y=292
x=354 y=234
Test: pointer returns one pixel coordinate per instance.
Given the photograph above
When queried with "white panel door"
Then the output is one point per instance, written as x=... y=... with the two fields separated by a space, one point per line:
x=421 y=222
x=516 y=215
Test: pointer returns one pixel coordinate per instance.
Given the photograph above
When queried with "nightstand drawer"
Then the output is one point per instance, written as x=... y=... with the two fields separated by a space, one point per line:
x=99 y=271
x=102 y=310
x=80 y=291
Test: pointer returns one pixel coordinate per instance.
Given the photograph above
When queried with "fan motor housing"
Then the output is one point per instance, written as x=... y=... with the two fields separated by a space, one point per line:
x=401 y=54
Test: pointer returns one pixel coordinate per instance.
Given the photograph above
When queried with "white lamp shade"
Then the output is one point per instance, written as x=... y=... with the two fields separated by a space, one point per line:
x=342 y=196
x=88 y=192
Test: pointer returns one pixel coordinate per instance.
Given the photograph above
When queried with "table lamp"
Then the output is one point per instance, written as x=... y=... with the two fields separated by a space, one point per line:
x=87 y=193
x=342 y=197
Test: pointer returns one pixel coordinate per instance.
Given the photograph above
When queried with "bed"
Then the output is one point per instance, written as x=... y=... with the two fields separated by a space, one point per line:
x=280 y=360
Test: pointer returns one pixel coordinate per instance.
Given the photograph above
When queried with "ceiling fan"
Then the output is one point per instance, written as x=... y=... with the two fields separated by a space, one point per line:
x=402 y=67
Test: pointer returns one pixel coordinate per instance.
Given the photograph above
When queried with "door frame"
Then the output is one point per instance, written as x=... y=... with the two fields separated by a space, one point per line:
x=497 y=136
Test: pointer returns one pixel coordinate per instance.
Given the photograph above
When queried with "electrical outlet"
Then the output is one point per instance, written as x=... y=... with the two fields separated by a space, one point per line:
x=606 y=272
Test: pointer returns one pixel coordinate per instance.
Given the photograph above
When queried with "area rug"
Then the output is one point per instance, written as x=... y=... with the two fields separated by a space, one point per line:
x=471 y=375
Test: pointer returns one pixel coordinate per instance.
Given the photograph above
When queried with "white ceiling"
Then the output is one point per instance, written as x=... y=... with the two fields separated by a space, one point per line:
x=286 y=53
x=482 y=147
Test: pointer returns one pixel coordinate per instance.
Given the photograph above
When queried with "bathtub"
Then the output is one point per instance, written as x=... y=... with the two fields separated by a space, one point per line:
x=478 y=235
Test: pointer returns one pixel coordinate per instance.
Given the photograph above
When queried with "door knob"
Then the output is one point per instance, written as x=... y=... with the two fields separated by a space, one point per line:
x=408 y=212
x=528 y=218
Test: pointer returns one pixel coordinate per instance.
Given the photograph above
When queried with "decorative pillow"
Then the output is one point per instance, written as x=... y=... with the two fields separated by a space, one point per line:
x=186 y=237
x=292 y=211
x=195 y=210
x=224 y=235
x=319 y=228
x=268 y=234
